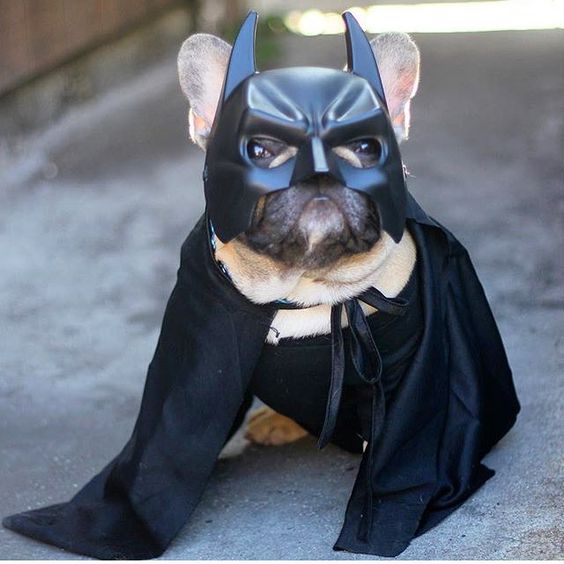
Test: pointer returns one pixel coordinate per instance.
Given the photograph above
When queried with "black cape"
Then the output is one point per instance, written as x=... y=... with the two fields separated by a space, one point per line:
x=453 y=402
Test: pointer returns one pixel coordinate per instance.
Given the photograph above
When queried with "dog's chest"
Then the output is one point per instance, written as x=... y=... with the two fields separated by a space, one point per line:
x=391 y=277
x=388 y=269
x=299 y=323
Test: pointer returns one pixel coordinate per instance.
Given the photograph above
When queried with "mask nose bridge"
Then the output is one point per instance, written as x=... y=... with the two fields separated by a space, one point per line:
x=318 y=156
x=314 y=158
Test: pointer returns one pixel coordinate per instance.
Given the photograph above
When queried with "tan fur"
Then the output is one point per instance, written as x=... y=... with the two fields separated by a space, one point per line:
x=387 y=266
x=266 y=427
x=288 y=153
x=348 y=155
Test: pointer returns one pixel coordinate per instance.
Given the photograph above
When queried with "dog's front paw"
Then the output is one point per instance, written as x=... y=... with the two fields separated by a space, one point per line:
x=266 y=427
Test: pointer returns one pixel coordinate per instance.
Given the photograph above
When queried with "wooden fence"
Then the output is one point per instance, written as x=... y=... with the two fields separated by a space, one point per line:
x=36 y=35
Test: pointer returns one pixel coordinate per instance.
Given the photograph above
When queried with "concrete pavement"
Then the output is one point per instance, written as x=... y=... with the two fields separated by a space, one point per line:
x=92 y=215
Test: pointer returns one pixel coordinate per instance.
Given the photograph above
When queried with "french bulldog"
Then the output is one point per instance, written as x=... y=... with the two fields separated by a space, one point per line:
x=289 y=242
x=317 y=242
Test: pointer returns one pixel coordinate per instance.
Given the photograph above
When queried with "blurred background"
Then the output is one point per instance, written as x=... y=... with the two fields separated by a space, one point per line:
x=99 y=186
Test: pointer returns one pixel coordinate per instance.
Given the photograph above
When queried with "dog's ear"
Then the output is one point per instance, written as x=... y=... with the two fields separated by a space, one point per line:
x=398 y=61
x=202 y=62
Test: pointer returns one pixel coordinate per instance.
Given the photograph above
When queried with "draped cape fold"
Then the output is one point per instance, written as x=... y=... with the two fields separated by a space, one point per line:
x=455 y=401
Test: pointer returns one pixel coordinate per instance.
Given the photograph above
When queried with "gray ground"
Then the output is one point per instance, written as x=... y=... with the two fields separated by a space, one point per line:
x=92 y=214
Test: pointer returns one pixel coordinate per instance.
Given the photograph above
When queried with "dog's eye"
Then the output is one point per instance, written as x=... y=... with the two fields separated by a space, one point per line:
x=367 y=148
x=362 y=153
x=257 y=151
x=266 y=152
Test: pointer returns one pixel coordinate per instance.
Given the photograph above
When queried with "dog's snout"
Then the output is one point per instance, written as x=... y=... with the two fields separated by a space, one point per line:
x=314 y=223
x=321 y=187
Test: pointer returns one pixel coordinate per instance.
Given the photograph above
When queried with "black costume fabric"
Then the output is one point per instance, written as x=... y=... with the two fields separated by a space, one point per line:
x=430 y=412
x=301 y=368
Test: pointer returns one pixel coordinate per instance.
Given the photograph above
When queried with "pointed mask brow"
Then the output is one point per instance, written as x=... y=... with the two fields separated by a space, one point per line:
x=262 y=122
x=351 y=126
x=350 y=117
x=268 y=99
x=351 y=105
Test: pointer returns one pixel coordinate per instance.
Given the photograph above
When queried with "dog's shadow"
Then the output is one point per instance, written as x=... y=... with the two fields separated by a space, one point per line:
x=261 y=501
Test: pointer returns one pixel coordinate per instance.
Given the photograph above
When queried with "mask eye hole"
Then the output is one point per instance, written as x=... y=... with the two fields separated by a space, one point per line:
x=265 y=152
x=362 y=153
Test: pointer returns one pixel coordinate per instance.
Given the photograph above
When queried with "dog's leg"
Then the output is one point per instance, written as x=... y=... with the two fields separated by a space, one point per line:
x=267 y=427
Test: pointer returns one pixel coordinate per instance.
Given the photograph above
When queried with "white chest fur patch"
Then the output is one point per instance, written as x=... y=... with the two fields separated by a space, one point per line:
x=309 y=322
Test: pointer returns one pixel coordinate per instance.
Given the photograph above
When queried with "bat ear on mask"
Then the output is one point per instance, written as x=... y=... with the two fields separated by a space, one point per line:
x=202 y=62
x=395 y=76
x=209 y=69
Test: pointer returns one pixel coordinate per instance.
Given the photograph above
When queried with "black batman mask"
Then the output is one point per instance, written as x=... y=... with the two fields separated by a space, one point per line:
x=312 y=109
